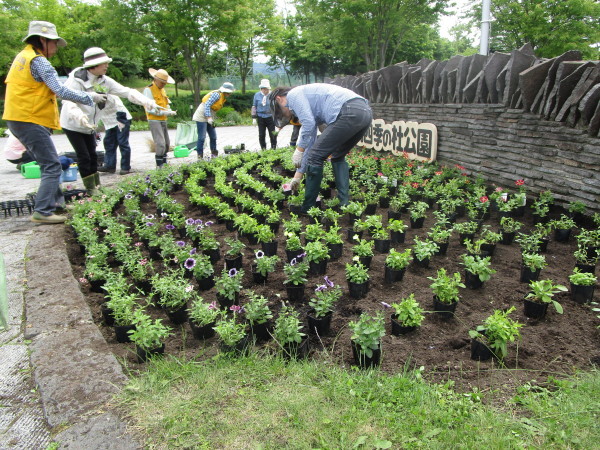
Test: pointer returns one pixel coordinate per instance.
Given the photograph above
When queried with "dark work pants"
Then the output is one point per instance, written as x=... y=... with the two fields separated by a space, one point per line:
x=264 y=124
x=85 y=148
x=114 y=138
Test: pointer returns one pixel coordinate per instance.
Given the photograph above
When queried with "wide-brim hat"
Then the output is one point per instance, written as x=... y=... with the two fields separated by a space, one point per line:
x=44 y=29
x=94 y=56
x=162 y=75
x=227 y=87
x=264 y=83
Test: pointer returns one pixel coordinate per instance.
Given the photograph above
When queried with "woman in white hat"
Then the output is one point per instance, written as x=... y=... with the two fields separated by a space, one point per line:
x=80 y=122
x=157 y=117
x=261 y=114
x=211 y=102
x=31 y=111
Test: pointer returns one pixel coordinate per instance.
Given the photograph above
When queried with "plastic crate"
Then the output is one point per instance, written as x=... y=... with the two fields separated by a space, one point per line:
x=31 y=170
x=181 y=151
x=69 y=175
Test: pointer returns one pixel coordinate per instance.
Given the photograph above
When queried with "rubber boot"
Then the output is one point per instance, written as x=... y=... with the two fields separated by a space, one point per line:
x=90 y=184
x=341 y=172
x=312 y=185
x=160 y=160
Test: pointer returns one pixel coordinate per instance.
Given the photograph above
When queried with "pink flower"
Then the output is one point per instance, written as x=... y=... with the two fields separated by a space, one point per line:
x=408 y=173
x=483 y=199
x=520 y=182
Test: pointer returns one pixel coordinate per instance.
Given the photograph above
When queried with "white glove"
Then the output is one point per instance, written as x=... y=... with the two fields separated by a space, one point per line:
x=254 y=122
x=295 y=184
x=210 y=121
x=297 y=158
x=151 y=105
x=86 y=123
x=120 y=126
x=170 y=113
x=99 y=98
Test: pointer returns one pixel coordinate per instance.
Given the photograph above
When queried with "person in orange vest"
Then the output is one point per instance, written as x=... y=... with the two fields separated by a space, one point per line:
x=31 y=112
x=157 y=117
x=204 y=117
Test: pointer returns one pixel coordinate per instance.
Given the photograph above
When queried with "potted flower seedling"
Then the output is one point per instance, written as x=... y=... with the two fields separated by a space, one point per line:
x=263 y=266
x=149 y=336
x=357 y=275
x=441 y=236
x=229 y=285
x=202 y=317
x=417 y=212
x=529 y=243
x=202 y=270
x=287 y=332
x=357 y=229
x=541 y=295
x=122 y=307
x=366 y=339
x=381 y=239
x=292 y=225
x=586 y=259
x=322 y=302
x=490 y=239
x=364 y=250
x=494 y=335
x=423 y=251
x=562 y=228
x=582 y=285
x=396 y=263
x=258 y=315
x=317 y=254
x=542 y=231
x=266 y=237
x=295 y=272
x=232 y=334
x=354 y=210
x=407 y=316
x=446 y=294
x=509 y=228
x=397 y=229
x=477 y=270
x=532 y=264
x=465 y=230
x=577 y=210
x=293 y=245
x=234 y=253
x=172 y=293
x=334 y=242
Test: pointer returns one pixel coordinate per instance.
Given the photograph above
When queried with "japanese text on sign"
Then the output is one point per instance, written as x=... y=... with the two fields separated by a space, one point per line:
x=417 y=140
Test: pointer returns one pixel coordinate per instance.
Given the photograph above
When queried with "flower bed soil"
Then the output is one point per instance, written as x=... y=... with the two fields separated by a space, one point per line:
x=558 y=345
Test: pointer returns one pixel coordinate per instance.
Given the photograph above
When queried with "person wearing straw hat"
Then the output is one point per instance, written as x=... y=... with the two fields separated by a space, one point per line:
x=205 y=122
x=31 y=112
x=80 y=121
x=157 y=117
x=261 y=115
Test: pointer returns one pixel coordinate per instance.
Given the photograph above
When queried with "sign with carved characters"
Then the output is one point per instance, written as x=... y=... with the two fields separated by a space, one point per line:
x=415 y=140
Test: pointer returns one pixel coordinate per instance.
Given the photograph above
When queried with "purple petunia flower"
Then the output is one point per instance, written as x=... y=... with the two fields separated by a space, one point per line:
x=180 y=243
x=128 y=196
x=387 y=305
x=199 y=227
x=208 y=223
x=328 y=281
x=213 y=305
x=149 y=224
x=189 y=263
x=301 y=255
x=150 y=216
x=293 y=262
x=233 y=272
x=169 y=226
x=193 y=251
x=260 y=254
x=236 y=308
x=198 y=221
x=190 y=221
x=321 y=288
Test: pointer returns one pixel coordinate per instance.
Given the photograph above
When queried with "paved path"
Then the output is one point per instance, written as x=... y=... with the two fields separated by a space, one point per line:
x=37 y=373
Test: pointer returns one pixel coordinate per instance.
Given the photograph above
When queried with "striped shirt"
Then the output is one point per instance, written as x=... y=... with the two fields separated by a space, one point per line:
x=43 y=72
x=214 y=97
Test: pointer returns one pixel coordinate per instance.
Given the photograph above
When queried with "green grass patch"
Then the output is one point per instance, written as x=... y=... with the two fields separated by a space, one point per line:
x=266 y=402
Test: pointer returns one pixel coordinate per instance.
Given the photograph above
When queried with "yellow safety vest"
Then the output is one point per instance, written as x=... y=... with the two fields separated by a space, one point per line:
x=28 y=100
x=161 y=99
x=218 y=104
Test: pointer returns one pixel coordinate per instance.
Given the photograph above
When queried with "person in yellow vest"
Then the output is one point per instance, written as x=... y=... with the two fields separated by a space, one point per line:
x=204 y=117
x=157 y=117
x=31 y=112
x=79 y=122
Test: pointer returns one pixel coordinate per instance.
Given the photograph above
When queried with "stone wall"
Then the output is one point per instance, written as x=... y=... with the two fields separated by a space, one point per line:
x=503 y=145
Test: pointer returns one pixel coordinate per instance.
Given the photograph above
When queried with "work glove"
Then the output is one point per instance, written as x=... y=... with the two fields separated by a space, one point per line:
x=254 y=122
x=170 y=112
x=295 y=184
x=99 y=98
x=150 y=105
x=120 y=126
x=86 y=123
x=210 y=121
x=297 y=158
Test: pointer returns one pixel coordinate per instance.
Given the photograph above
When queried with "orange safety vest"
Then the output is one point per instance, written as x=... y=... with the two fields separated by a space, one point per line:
x=218 y=104
x=28 y=100
x=161 y=99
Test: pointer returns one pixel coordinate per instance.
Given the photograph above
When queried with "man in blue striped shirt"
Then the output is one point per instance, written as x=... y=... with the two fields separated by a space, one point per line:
x=347 y=117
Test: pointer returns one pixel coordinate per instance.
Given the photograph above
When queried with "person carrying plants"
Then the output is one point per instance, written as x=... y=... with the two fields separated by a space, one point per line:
x=261 y=115
x=157 y=115
x=347 y=116
x=117 y=123
x=80 y=121
x=31 y=112
x=211 y=102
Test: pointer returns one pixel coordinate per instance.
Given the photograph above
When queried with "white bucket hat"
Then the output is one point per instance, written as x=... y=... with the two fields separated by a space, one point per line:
x=227 y=87
x=94 y=56
x=44 y=29
x=264 y=83
x=162 y=75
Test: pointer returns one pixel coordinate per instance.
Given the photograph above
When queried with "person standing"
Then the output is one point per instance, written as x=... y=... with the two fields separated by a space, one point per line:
x=80 y=122
x=205 y=121
x=31 y=112
x=157 y=116
x=117 y=122
x=261 y=114
x=347 y=117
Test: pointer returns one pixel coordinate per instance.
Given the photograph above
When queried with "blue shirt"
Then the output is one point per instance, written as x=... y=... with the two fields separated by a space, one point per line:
x=261 y=110
x=316 y=104
x=42 y=71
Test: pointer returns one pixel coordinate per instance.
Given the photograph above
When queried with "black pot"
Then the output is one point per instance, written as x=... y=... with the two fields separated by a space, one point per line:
x=295 y=293
x=294 y=350
x=382 y=245
x=213 y=254
x=507 y=238
x=260 y=331
x=397 y=237
x=487 y=250
x=121 y=333
x=480 y=351
x=269 y=248
x=358 y=290
x=97 y=286
x=351 y=233
x=143 y=355
x=398 y=329
x=463 y=236
x=319 y=325
x=291 y=254
x=422 y=262
x=370 y=209
x=417 y=223
x=258 y=277
x=393 y=275
x=335 y=251
x=394 y=215
x=362 y=360
x=384 y=202
x=528 y=275
x=295 y=209
x=365 y=261
x=178 y=316
x=317 y=268
x=442 y=248
x=204 y=284
x=562 y=235
x=203 y=331
x=444 y=310
x=589 y=268
x=234 y=263
x=227 y=303
x=544 y=244
x=107 y=315
x=534 y=310
x=582 y=294
x=239 y=349
x=472 y=281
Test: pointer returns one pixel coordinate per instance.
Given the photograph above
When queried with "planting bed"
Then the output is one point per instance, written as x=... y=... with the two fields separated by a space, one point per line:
x=554 y=346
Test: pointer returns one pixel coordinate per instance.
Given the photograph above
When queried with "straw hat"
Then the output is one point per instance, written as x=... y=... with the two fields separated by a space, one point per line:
x=162 y=75
x=44 y=29
x=94 y=56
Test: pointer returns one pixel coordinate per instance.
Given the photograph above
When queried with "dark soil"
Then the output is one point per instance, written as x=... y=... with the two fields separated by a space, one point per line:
x=558 y=345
